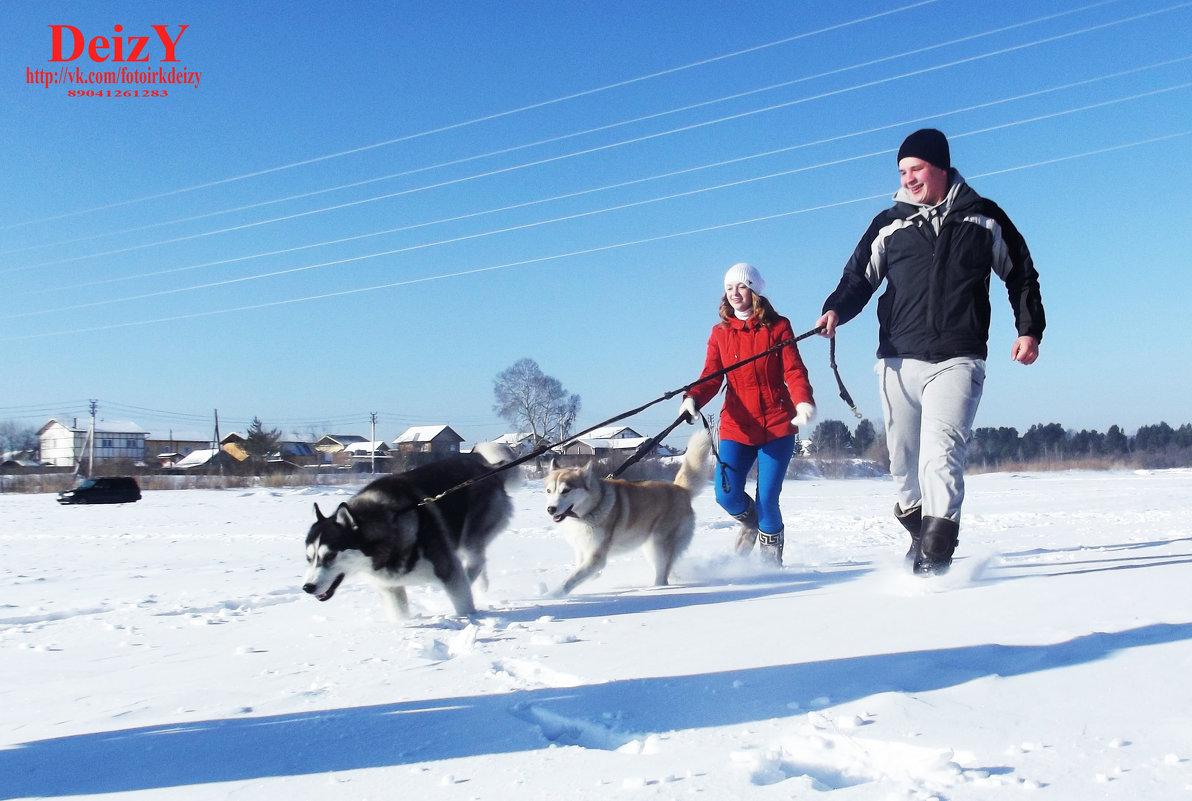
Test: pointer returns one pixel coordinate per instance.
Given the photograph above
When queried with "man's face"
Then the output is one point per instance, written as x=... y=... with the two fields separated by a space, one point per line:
x=926 y=183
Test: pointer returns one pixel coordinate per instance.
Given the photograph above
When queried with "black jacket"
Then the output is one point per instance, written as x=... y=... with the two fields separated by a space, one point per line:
x=936 y=263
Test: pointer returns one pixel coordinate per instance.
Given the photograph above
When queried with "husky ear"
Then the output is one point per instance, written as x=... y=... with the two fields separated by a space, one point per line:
x=343 y=516
x=554 y=464
x=319 y=513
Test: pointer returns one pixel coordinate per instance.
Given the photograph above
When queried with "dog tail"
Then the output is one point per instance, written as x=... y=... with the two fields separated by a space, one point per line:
x=497 y=455
x=697 y=468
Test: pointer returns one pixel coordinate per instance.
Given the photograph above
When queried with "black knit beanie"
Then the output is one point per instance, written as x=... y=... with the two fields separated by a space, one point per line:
x=927 y=144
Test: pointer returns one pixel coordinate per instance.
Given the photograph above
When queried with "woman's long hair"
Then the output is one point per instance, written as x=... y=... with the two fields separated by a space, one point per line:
x=762 y=310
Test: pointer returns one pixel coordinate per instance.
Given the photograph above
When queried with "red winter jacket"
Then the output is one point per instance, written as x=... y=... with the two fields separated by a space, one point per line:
x=761 y=396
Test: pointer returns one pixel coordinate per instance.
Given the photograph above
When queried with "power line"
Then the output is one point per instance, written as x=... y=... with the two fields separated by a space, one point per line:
x=571 y=254
x=624 y=206
x=610 y=146
x=580 y=193
x=486 y=118
x=551 y=140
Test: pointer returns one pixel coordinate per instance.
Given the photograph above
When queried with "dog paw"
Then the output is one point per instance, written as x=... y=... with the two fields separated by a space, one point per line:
x=546 y=592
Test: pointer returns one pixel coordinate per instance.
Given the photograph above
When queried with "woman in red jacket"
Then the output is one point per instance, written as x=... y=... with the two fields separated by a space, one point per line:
x=766 y=401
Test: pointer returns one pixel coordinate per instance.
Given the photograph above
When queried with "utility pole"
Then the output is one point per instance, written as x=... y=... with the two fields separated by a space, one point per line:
x=215 y=446
x=91 y=457
x=372 y=444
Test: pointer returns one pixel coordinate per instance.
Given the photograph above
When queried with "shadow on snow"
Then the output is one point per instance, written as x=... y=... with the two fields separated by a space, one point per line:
x=681 y=595
x=1045 y=562
x=385 y=735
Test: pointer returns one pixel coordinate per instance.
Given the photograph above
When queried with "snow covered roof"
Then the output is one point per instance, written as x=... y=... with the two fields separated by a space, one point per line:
x=101 y=426
x=197 y=458
x=425 y=434
x=513 y=438
x=614 y=444
x=612 y=432
x=380 y=446
x=340 y=439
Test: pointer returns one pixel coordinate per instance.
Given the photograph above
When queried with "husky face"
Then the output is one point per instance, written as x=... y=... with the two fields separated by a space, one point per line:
x=568 y=491
x=330 y=555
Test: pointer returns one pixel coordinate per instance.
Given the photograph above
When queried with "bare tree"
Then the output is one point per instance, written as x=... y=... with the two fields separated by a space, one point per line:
x=17 y=438
x=534 y=402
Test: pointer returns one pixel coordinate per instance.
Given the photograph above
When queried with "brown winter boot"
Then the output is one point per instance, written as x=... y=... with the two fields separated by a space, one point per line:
x=747 y=535
x=912 y=520
x=939 y=540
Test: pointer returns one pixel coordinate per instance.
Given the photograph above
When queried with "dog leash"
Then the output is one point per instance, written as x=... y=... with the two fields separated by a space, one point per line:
x=844 y=394
x=648 y=446
x=539 y=451
x=644 y=449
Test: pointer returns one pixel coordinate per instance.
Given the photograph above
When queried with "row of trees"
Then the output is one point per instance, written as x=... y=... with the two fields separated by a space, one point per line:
x=1152 y=445
x=992 y=448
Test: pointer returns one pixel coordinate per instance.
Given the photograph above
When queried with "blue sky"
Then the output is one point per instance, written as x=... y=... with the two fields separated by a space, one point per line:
x=379 y=207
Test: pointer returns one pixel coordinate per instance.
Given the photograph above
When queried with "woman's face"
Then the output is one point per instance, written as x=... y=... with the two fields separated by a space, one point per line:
x=740 y=297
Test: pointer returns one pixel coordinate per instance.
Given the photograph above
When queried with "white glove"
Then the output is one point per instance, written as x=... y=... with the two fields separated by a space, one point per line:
x=689 y=409
x=804 y=414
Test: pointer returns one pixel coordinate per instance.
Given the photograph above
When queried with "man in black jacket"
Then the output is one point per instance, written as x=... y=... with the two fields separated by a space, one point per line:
x=935 y=249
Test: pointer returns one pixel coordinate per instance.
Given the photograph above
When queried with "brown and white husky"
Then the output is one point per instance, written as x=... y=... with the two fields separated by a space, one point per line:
x=601 y=516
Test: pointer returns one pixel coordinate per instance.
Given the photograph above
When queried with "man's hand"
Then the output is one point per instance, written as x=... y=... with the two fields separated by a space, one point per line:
x=828 y=322
x=1025 y=350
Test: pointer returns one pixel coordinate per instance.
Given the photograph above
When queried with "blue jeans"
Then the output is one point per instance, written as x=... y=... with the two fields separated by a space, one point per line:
x=736 y=459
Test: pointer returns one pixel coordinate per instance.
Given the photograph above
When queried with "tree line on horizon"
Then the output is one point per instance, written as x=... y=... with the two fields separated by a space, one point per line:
x=993 y=448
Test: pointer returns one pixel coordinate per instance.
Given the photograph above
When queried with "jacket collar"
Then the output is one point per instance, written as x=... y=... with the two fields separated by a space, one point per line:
x=959 y=195
x=744 y=325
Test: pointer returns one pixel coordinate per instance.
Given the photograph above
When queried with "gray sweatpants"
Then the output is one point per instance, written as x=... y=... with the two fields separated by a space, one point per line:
x=929 y=411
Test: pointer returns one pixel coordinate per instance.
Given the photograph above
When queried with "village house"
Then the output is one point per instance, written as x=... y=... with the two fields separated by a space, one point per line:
x=233 y=445
x=65 y=445
x=207 y=460
x=440 y=440
x=611 y=442
x=369 y=457
x=169 y=451
x=329 y=445
x=521 y=443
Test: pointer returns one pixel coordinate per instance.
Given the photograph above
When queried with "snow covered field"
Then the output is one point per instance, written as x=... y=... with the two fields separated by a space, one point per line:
x=164 y=650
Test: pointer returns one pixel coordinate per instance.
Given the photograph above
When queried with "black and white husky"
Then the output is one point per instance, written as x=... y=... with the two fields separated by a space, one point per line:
x=383 y=535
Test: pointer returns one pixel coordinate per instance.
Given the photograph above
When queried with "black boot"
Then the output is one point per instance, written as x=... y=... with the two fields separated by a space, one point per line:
x=912 y=520
x=747 y=535
x=771 y=548
x=940 y=538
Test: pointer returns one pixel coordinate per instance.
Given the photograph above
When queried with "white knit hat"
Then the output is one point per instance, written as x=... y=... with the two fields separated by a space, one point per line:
x=745 y=273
